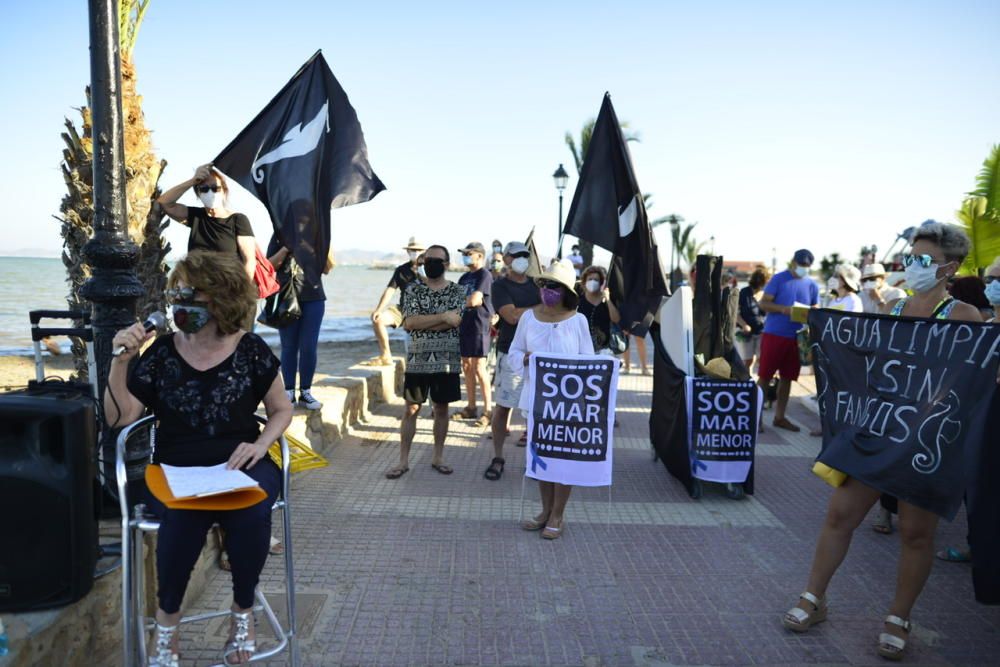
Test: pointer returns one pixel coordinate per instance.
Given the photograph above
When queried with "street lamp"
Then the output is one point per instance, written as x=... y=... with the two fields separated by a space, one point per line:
x=711 y=245
x=675 y=223
x=561 y=178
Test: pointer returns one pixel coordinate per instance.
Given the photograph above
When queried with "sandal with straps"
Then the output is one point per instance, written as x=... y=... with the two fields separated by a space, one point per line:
x=890 y=646
x=798 y=619
x=163 y=653
x=495 y=471
x=241 y=641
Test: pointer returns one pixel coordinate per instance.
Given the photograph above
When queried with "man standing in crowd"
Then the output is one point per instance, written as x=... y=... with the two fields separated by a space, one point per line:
x=474 y=333
x=779 y=349
x=577 y=259
x=875 y=293
x=512 y=296
x=432 y=313
x=384 y=318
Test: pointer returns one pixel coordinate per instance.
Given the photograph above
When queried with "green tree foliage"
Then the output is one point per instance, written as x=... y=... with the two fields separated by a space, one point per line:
x=980 y=215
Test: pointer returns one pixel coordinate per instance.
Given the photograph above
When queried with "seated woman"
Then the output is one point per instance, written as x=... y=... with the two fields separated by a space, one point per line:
x=204 y=384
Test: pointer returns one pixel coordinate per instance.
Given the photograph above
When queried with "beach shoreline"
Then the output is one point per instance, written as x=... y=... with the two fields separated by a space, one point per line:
x=334 y=358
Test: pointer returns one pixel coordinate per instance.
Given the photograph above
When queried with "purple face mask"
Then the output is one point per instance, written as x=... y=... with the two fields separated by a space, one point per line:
x=551 y=297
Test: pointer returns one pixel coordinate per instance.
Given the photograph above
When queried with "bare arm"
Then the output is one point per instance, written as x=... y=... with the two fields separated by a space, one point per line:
x=279 y=416
x=168 y=200
x=450 y=319
x=474 y=300
x=117 y=391
x=387 y=296
x=768 y=305
x=248 y=250
x=511 y=314
x=279 y=256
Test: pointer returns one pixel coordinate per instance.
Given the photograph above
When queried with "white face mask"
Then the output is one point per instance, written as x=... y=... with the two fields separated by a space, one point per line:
x=833 y=283
x=210 y=199
x=412 y=254
x=498 y=265
x=593 y=285
x=802 y=271
x=921 y=279
x=520 y=265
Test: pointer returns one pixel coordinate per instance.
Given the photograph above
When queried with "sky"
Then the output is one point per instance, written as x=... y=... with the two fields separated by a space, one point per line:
x=773 y=125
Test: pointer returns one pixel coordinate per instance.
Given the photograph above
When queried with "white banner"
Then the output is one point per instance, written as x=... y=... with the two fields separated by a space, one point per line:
x=571 y=418
x=722 y=428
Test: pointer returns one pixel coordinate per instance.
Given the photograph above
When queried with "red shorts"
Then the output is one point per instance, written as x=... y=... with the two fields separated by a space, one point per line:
x=779 y=355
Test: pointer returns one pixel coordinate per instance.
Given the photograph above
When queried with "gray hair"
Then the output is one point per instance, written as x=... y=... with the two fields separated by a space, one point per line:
x=952 y=240
x=995 y=266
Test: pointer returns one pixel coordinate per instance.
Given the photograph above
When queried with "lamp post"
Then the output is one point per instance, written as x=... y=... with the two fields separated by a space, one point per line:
x=675 y=223
x=561 y=178
x=711 y=245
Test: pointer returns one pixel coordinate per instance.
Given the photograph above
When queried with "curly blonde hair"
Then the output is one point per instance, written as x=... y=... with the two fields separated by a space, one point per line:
x=223 y=279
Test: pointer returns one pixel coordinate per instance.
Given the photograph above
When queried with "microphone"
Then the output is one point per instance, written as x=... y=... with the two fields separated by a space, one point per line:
x=155 y=321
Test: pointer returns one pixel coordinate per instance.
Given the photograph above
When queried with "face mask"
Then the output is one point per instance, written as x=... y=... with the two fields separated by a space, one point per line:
x=993 y=292
x=210 y=199
x=593 y=285
x=868 y=284
x=466 y=260
x=434 y=268
x=520 y=265
x=802 y=271
x=412 y=254
x=498 y=265
x=921 y=279
x=832 y=284
x=497 y=249
x=420 y=270
x=551 y=297
x=189 y=318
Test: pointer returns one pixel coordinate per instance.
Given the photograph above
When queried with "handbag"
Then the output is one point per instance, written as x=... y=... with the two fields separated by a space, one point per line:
x=618 y=343
x=282 y=308
x=264 y=276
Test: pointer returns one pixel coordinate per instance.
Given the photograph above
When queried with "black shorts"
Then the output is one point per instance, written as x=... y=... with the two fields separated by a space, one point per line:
x=441 y=387
x=474 y=344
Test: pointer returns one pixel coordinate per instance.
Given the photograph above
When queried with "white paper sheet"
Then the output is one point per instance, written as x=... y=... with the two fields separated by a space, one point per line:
x=188 y=481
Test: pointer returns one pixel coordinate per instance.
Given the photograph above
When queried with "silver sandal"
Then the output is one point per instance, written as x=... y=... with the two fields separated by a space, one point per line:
x=798 y=619
x=163 y=654
x=240 y=640
x=890 y=646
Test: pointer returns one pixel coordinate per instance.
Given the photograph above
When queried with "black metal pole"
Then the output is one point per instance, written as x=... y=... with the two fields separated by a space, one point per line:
x=113 y=287
x=559 y=249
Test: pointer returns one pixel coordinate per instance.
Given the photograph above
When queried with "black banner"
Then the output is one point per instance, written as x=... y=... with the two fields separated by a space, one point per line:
x=903 y=401
x=722 y=419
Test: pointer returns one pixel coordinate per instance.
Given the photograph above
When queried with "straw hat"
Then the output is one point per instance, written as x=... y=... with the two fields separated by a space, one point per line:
x=560 y=271
x=873 y=270
x=850 y=275
x=719 y=368
x=414 y=245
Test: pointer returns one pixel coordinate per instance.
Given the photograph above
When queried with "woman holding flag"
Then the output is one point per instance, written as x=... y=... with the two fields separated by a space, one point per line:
x=553 y=326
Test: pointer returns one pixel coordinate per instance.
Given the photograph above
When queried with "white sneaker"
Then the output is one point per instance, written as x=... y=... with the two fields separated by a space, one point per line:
x=307 y=401
x=290 y=393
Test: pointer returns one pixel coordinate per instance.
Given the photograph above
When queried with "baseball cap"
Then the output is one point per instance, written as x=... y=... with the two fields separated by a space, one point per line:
x=475 y=246
x=803 y=257
x=515 y=247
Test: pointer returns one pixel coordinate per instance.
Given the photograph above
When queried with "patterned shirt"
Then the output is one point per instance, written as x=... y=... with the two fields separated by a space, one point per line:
x=433 y=351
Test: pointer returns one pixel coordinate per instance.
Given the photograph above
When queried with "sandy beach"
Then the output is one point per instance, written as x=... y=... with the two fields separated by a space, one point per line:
x=334 y=359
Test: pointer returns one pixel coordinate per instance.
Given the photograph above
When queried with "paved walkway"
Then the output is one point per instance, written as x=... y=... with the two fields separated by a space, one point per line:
x=433 y=570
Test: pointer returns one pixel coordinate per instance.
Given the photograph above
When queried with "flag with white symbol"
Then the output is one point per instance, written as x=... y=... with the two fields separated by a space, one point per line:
x=303 y=155
x=608 y=211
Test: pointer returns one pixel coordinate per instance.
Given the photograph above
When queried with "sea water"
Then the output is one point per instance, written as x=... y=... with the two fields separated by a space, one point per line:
x=35 y=284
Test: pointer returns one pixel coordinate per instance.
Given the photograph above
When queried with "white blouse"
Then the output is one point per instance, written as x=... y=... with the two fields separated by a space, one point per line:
x=571 y=336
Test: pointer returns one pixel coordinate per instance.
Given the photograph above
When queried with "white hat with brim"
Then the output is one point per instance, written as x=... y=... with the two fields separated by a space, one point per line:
x=414 y=245
x=874 y=270
x=850 y=275
x=560 y=271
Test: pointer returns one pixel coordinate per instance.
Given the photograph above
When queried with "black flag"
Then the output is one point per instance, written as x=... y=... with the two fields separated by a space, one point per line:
x=301 y=156
x=608 y=211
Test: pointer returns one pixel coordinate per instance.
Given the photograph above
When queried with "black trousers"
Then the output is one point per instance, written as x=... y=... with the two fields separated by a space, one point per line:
x=248 y=537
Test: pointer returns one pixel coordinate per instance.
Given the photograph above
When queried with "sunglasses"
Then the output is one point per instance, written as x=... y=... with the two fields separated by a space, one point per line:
x=180 y=294
x=208 y=188
x=549 y=284
x=988 y=279
x=521 y=254
x=923 y=260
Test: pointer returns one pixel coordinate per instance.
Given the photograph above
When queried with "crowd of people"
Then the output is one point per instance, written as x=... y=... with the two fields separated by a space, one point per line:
x=205 y=382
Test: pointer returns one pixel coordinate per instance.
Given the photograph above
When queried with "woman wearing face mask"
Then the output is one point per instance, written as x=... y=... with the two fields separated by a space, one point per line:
x=213 y=228
x=552 y=326
x=937 y=252
x=204 y=384
x=848 y=282
x=497 y=268
x=992 y=291
x=596 y=306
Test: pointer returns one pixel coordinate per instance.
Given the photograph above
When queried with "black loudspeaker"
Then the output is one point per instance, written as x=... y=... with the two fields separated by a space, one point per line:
x=48 y=530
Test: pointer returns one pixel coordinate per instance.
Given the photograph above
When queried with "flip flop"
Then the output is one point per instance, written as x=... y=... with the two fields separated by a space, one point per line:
x=523 y=440
x=550 y=533
x=953 y=555
x=443 y=468
x=531 y=524
x=396 y=473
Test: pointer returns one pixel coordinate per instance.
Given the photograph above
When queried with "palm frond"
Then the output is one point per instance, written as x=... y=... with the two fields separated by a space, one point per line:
x=988 y=180
x=983 y=227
